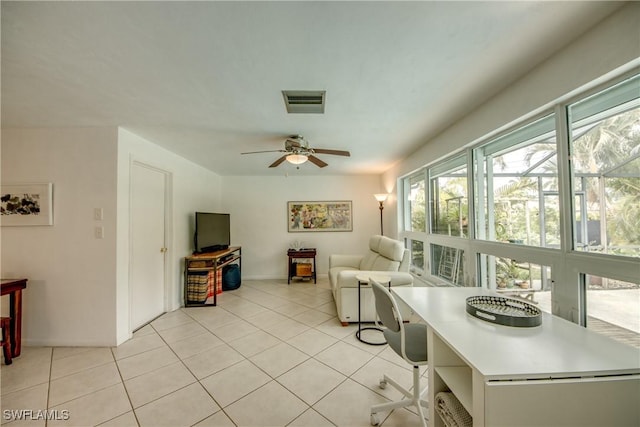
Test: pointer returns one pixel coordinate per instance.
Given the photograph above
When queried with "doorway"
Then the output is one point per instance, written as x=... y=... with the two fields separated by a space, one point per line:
x=147 y=284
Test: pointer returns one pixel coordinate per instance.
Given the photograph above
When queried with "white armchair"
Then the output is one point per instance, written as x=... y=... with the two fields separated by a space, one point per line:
x=384 y=255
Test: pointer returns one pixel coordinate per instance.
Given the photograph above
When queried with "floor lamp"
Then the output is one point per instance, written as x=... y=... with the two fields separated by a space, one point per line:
x=381 y=198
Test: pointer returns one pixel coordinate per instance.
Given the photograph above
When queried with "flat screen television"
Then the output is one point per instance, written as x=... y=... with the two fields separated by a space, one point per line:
x=213 y=232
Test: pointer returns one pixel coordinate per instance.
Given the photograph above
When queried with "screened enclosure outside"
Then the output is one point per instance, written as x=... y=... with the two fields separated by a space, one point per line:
x=448 y=263
x=415 y=196
x=516 y=181
x=605 y=170
x=449 y=198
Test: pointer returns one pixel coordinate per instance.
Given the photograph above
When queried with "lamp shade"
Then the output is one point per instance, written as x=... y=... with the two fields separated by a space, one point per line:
x=296 y=159
x=381 y=197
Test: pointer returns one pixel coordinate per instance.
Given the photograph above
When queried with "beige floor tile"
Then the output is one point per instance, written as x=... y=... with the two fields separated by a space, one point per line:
x=184 y=407
x=209 y=362
x=372 y=372
x=137 y=345
x=155 y=384
x=125 y=420
x=286 y=329
x=146 y=362
x=312 y=317
x=334 y=328
x=344 y=357
x=290 y=309
x=312 y=341
x=270 y=405
x=311 y=380
x=232 y=331
x=311 y=418
x=354 y=414
x=62 y=352
x=80 y=361
x=82 y=383
x=254 y=343
x=235 y=382
x=402 y=418
x=31 y=368
x=279 y=359
x=211 y=317
x=196 y=344
x=171 y=320
x=266 y=318
x=244 y=308
x=219 y=419
x=94 y=408
x=31 y=398
x=181 y=332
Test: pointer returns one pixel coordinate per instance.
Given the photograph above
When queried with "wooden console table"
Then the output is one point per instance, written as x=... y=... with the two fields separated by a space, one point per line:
x=203 y=264
x=308 y=253
x=13 y=288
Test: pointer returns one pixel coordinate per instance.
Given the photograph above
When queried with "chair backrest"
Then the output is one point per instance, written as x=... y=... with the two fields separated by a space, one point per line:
x=386 y=307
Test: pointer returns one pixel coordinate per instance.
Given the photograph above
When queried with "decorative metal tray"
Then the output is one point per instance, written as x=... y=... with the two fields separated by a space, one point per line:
x=504 y=311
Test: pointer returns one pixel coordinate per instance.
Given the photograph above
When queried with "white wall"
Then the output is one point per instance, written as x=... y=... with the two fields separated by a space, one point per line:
x=71 y=297
x=612 y=44
x=192 y=188
x=258 y=208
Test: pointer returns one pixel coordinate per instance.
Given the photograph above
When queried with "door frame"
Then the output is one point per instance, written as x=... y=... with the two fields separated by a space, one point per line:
x=168 y=235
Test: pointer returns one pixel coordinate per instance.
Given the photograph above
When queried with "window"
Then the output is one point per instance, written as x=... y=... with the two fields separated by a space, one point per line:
x=448 y=263
x=517 y=187
x=449 y=198
x=417 y=256
x=613 y=308
x=518 y=278
x=605 y=170
x=415 y=203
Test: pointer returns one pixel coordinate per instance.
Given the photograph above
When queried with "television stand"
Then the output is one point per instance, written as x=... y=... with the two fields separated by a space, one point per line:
x=203 y=275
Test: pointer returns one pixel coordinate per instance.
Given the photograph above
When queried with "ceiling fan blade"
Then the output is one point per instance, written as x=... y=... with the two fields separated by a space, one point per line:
x=316 y=161
x=334 y=152
x=277 y=162
x=266 y=151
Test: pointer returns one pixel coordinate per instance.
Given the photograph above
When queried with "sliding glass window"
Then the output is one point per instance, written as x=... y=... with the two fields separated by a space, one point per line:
x=516 y=186
x=605 y=170
x=449 y=198
x=415 y=202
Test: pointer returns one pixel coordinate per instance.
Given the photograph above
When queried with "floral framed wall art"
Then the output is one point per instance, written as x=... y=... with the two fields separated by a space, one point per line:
x=319 y=216
x=26 y=204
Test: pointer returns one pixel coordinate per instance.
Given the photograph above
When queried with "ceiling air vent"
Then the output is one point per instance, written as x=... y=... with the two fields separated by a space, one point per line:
x=304 y=101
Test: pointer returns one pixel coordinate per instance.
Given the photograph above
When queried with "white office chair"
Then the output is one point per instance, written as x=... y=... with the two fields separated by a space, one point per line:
x=409 y=341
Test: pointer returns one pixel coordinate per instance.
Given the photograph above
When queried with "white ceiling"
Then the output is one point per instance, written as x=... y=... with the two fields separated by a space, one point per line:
x=204 y=79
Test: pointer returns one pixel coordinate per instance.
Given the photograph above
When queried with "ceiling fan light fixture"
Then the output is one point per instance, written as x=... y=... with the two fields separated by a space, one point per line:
x=297 y=159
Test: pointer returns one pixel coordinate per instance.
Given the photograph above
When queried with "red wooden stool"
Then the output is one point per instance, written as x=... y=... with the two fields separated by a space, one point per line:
x=5 y=324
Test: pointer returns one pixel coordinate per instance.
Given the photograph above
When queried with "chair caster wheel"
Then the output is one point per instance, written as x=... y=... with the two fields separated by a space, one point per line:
x=375 y=421
x=383 y=384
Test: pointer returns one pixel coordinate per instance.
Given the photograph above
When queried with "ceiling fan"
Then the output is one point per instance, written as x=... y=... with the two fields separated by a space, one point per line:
x=298 y=151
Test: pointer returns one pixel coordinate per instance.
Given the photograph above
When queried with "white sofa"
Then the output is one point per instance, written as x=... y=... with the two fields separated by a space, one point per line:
x=386 y=257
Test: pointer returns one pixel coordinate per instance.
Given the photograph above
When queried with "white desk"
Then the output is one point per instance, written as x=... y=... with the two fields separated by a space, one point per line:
x=554 y=374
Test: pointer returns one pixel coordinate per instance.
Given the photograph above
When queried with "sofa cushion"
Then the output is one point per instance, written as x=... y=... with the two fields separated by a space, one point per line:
x=369 y=260
x=384 y=264
x=391 y=249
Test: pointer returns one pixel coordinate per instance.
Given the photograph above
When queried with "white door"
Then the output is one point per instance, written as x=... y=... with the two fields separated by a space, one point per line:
x=147 y=282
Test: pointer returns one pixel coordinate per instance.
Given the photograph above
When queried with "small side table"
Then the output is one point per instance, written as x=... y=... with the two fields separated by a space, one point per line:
x=362 y=279
x=308 y=253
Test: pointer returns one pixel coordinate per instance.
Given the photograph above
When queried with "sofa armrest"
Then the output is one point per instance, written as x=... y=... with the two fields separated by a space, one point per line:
x=348 y=278
x=339 y=260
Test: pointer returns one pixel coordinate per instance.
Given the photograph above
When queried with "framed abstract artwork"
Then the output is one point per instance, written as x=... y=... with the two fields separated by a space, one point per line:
x=319 y=216
x=26 y=204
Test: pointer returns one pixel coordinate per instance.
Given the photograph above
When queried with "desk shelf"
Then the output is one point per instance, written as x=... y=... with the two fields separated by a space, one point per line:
x=459 y=381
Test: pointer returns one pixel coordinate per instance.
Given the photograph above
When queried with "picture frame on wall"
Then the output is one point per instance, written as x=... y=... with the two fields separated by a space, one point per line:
x=316 y=216
x=26 y=204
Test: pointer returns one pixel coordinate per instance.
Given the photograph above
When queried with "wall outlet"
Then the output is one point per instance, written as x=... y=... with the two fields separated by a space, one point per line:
x=98 y=231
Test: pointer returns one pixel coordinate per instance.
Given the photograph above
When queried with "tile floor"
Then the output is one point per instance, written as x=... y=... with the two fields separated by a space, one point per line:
x=270 y=354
